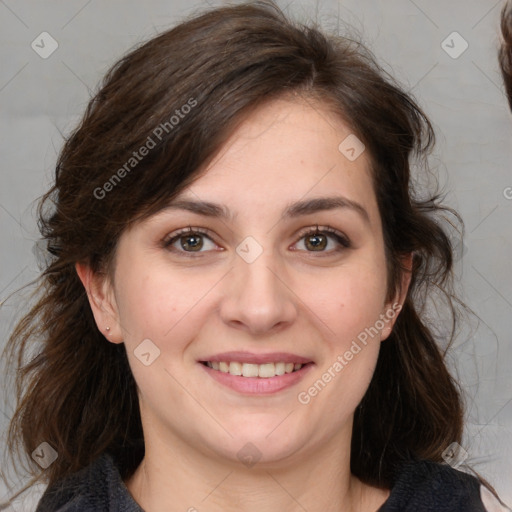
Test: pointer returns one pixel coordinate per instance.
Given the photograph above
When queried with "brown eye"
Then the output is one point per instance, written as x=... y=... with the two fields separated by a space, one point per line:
x=317 y=240
x=188 y=241
x=194 y=242
x=191 y=241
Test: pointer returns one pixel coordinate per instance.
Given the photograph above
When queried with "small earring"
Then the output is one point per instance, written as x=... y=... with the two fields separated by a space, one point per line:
x=108 y=329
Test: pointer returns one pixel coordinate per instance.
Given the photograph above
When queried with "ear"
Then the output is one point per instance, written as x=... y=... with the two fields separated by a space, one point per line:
x=102 y=301
x=392 y=309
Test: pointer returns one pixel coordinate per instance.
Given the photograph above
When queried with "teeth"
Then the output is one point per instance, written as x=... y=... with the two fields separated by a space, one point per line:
x=280 y=368
x=265 y=371
x=235 y=368
x=249 y=370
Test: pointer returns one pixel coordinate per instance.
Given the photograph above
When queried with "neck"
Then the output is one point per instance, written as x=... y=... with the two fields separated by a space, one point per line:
x=184 y=478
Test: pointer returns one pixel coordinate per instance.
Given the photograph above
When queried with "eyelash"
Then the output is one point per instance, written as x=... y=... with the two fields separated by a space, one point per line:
x=341 y=239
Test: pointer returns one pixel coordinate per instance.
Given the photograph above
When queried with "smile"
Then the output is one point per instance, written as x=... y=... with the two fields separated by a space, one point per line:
x=256 y=379
x=264 y=371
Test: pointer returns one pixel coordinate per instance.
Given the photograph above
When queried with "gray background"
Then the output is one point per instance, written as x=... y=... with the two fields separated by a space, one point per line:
x=43 y=98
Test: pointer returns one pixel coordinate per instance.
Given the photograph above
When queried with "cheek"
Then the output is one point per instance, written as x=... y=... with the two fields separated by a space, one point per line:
x=151 y=301
x=154 y=304
x=351 y=344
x=350 y=300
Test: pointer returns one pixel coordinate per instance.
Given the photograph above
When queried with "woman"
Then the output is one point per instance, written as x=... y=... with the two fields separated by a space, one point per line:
x=233 y=315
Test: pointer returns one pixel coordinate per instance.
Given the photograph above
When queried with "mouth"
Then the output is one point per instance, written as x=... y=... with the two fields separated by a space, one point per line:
x=251 y=370
x=257 y=374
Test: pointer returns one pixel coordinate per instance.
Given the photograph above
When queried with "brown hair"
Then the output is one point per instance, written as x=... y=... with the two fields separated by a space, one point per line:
x=78 y=393
x=505 y=51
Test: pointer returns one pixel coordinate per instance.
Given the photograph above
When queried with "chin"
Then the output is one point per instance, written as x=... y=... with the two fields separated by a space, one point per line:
x=256 y=446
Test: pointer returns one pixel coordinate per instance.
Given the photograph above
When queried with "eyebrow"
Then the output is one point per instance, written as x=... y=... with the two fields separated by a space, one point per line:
x=293 y=210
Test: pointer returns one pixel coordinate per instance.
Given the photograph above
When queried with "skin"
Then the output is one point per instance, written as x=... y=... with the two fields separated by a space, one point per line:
x=290 y=299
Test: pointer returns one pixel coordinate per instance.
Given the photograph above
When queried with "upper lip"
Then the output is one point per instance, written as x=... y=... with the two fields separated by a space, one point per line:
x=249 y=357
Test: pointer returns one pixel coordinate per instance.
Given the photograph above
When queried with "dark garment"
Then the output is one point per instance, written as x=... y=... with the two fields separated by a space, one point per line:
x=96 y=488
x=425 y=486
x=419 y=486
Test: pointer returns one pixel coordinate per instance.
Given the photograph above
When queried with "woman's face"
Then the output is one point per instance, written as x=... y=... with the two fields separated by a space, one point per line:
x=257 y=288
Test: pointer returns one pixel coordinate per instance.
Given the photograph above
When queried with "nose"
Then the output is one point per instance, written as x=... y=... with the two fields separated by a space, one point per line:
x=256 y=297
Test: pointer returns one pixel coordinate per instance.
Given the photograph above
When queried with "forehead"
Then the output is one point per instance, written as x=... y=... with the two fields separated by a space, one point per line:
x=286 y=151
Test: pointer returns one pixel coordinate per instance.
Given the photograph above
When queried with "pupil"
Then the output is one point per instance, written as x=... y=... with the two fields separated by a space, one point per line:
x=319 y=243
x=197 y=244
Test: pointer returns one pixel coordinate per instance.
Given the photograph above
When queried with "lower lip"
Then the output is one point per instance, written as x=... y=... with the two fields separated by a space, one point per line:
x=258 y=385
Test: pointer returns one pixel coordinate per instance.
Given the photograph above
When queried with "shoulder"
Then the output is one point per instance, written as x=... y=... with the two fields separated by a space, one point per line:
x=426 y=486
x=490 y=502
x=98 y=488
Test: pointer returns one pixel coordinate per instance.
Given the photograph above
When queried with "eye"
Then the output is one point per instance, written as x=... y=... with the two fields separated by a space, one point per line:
x=316 y=240
x=190 y=240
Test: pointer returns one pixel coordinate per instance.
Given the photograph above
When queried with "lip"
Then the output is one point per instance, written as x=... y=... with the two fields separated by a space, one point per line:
x=249 y=357
x=258 y=385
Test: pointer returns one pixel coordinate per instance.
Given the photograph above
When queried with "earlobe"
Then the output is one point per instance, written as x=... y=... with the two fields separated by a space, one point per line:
x=406 y=262
x=393 y=310
x=390 y=315
x=102 y=302
x=386 y=332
